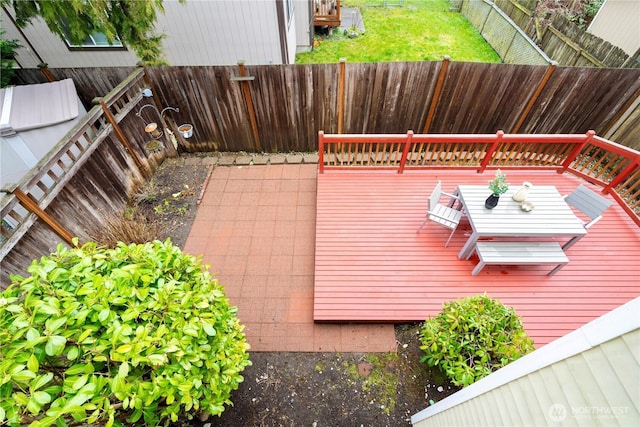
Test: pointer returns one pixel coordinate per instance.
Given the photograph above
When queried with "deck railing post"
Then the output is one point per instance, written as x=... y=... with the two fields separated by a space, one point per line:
x=492 y=149
x=622 y=175
x=321 y=151
x=574 y=153
x=405 y=151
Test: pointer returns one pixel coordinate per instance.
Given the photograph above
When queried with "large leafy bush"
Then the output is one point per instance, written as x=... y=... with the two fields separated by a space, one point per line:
x=134 y=335
x=472 y=337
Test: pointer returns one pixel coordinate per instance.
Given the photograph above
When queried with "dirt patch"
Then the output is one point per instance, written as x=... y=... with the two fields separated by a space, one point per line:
x=302 y=389
x=170 y=197
x=336 y=389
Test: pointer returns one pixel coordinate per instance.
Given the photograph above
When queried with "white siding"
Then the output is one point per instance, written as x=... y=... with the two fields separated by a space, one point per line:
x=304 y=25
x=206 y=32
x=220 y=32
x=53 y=50
x=589 y=377
x=618 y=22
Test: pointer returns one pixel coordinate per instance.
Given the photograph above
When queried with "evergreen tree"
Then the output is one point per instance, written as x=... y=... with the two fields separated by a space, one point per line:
x=7 y=49
x=130 y=21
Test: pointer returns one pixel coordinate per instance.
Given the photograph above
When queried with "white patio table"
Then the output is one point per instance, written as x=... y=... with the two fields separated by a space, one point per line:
x=551 y=217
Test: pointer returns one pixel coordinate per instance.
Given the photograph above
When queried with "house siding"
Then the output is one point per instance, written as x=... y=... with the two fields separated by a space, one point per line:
x=303 y=17
x=44 y=46
x=617 y=22
x=214 y=32
x=599 y=385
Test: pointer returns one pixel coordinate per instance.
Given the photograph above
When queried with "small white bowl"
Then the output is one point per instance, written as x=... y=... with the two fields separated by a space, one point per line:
x=526 y=206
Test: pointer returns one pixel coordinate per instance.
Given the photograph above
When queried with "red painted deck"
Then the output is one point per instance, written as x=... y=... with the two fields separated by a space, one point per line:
x=371 y=266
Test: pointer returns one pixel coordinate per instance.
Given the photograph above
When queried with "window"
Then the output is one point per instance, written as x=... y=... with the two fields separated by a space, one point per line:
x=94 y=40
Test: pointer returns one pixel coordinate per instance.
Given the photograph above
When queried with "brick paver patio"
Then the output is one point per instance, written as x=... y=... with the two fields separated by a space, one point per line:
x=255 y=226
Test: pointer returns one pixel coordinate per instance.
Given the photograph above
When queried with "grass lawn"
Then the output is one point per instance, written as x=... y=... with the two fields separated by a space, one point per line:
x=420 y=30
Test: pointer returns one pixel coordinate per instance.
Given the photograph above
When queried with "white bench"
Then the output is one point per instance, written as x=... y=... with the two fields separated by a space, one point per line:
x=519 y=253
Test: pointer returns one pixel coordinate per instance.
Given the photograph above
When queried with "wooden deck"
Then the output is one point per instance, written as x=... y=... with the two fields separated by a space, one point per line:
x=372 y=266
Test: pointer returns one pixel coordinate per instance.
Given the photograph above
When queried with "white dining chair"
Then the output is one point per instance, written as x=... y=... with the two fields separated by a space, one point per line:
x=590 y=204
x=443 y=214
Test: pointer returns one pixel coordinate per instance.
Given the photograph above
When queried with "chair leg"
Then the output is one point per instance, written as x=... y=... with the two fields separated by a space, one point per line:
x=425 y=221
x=449 y=239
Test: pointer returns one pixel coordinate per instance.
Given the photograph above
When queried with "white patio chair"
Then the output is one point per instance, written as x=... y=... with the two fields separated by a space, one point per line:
x=591 y=204
x=442 y=214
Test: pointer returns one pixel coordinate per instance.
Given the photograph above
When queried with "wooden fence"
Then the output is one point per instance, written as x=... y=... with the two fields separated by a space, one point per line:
x=613 y=167
x=281 y=108
x=569 y=45
x=97 y=167
x=89 y=175
x=565 y=42
x=505 y=36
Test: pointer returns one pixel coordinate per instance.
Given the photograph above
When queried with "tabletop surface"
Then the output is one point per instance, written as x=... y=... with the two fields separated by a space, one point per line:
x=551 y=215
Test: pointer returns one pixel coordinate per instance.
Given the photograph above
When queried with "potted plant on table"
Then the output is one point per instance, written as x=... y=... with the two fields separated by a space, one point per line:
x=498 y=185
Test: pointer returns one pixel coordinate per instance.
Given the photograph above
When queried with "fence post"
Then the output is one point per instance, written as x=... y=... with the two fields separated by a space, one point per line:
x=341 y=82
x=527 y=109
x=45 y=70
x=436 y=94
x=492 y=149
x=249 y=101
x=32 y=206
x=321 y=151
x=405 y=151
x=574 y=153
x=122 y=137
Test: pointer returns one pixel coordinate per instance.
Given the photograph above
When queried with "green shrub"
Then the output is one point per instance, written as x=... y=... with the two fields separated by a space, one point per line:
x=134 y=335
x=472 y=337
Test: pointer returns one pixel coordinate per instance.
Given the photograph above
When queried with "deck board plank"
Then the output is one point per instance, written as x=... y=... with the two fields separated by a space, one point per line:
x=372 y=266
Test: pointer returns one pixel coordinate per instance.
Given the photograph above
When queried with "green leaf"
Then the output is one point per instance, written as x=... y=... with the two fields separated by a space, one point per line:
x=33 y=406
x=55 y=345
x=125 y=348
x=157 y=359
x=41 y=397
x=80 y=382
x=41 y=381
x=75 y=369
x=104 y=314
x=73 y=353
x=209 y=330
x=23 y=376
x=32 y=364
x=84 y=335
x=123 y=371
x=13 y=308
x=32 y=335
x=54 y=324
